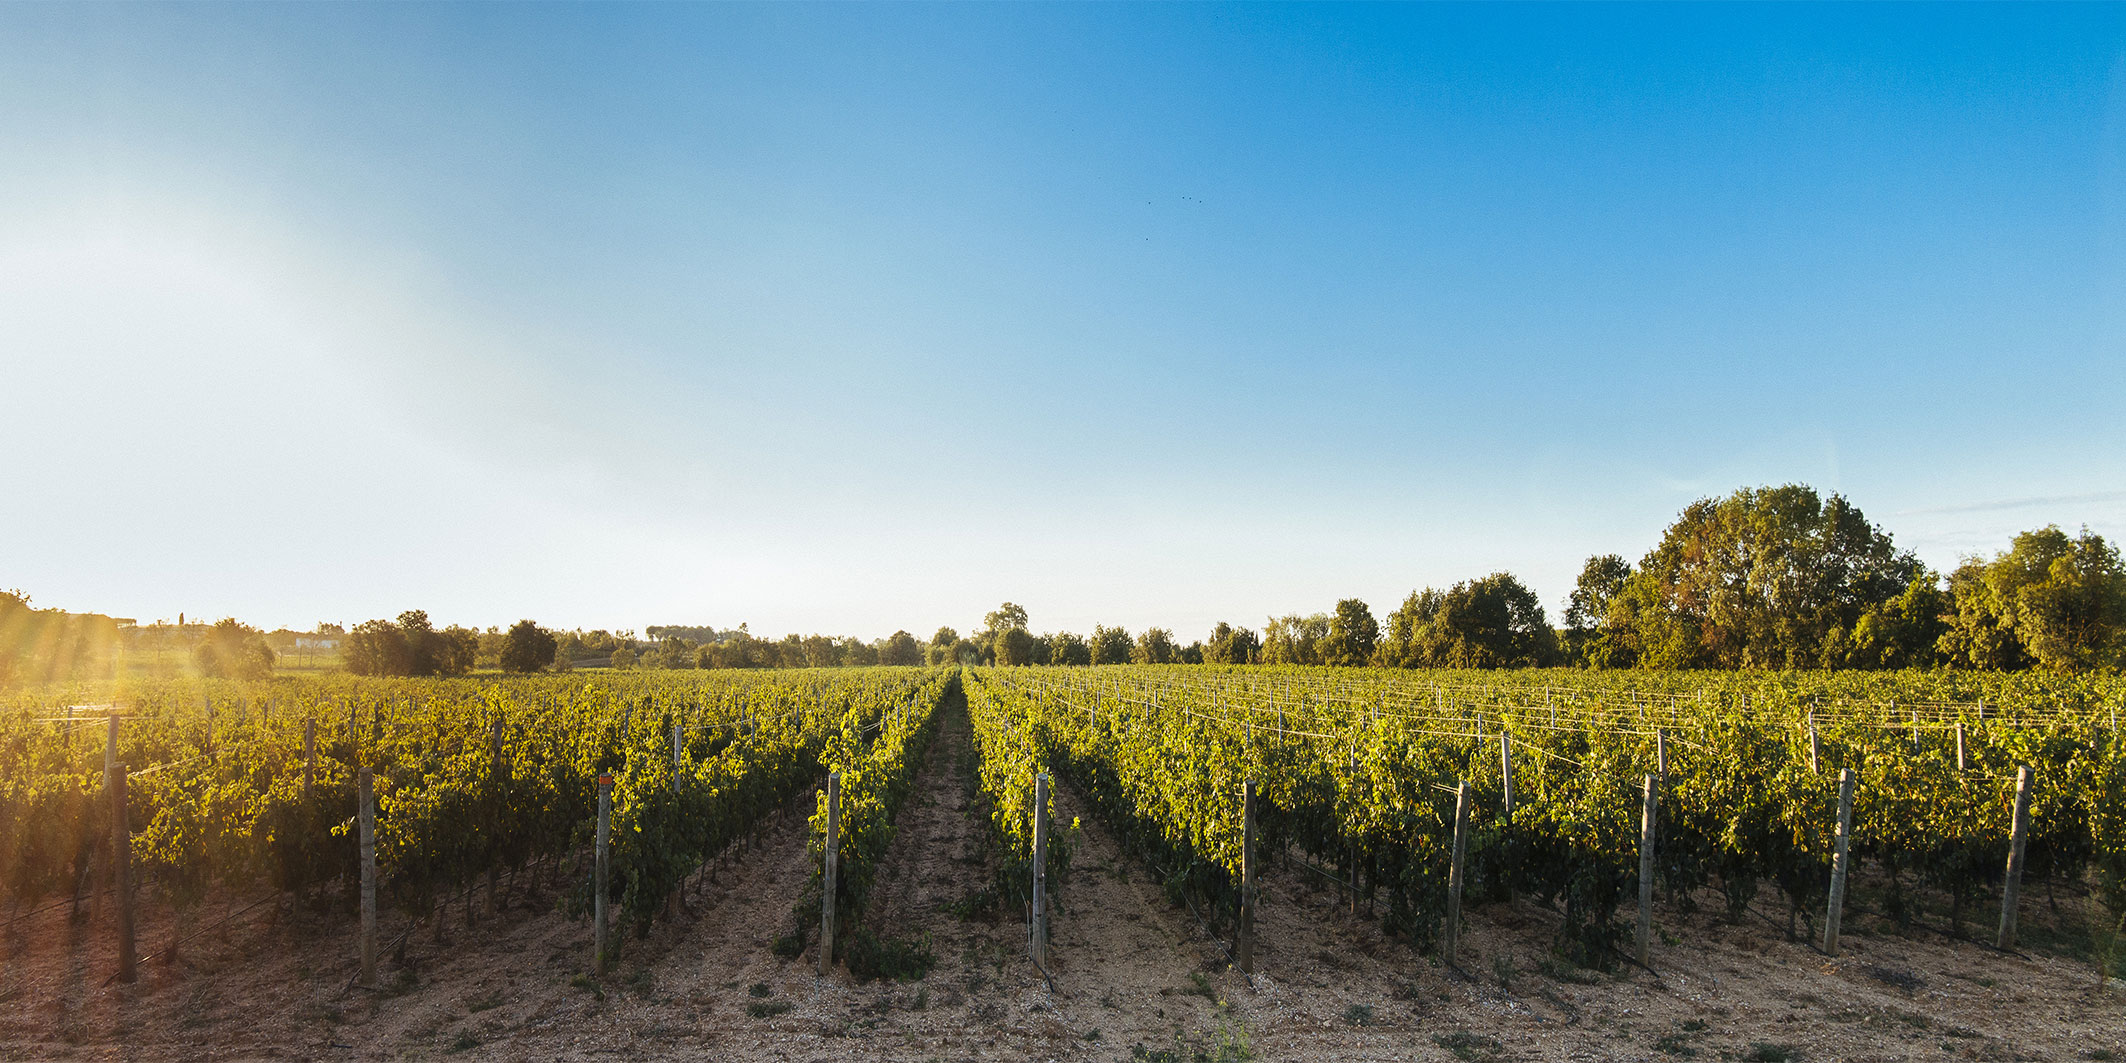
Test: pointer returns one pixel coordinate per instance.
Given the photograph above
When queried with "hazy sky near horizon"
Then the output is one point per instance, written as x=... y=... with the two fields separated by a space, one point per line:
x=849 y=318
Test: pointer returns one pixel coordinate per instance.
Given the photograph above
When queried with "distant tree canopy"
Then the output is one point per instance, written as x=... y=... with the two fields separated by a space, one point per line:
x=1493 y=622
x=1155 y=646
x=900 y=648
x=1294 y=639
x=528 y=648
x=411 y=646
x=232 y=649
x=1773 y=577
x=1065 y=648
x=1013 y=646
x=44 y=645
x=1231 y=645
x=1109 y=645
x=2050 y=600
x=1353 y=634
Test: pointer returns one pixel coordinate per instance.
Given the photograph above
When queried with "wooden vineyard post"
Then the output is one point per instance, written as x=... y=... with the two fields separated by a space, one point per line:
x=122 y=867
x=1815 y=749
x=1244 y=951
x=675 y=756
x=1661 y=754
x=309 y=758
x=1839 y=860
x=365 y=814
x=1351 y=846
x=1038 y=946
x=598 y=877
x=1648 y=809
x=2012 y=885
x=1452 y=939
x=1506 y=772
x=1959 y=745
x=830 y=852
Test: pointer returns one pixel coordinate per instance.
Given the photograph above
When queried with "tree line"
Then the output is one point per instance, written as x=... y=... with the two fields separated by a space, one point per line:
x=1770 y=577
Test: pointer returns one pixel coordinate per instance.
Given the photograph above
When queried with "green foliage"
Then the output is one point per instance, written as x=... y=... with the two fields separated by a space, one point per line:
x=900 y=649
x=1231 y=645
x=1108 y=645
x=1154 y=646
x=233 y=650
x=1068 y=649
x=1355 y=769
x=1294 y=639
x=1494 y=622
x=411 y=646
x=471 y=777
x=2052 y=600
x=1768 y=577
x=877 y=755
x=869 y=957
x=527 y=648
x=1353 y=634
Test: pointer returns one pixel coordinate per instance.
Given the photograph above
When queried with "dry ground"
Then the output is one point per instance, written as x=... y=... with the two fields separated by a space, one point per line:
x=1131 y=977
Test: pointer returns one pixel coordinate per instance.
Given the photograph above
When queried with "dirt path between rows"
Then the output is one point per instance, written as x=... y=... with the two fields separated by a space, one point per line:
x=1131 y=977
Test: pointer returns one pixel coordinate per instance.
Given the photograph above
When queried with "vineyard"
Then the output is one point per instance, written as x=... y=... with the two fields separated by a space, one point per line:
x=1418 y=800
x=1359 y=774
x=247 y=787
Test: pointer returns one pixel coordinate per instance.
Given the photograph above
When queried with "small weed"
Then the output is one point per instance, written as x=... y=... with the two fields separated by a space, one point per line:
x=642 y=982
x=767 y=1009
x=1502 y=969
x=757 y=989
x=1768 y=1052
x=1564 y=970
x=975 y=904
x=1201 y=986
x=1092 y=1035
x=1693 y=1025
x=922 y=998
x=585 y=981
x=464 y=1041
x=1677 y=1045
x=788 y=946
x=1896 y=977
x=487 y=1003
x=1359 y=1015
x=1469 y=1047
x=870 y=957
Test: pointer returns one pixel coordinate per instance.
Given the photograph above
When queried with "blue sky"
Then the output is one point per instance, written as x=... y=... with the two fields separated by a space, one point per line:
x=849 y=318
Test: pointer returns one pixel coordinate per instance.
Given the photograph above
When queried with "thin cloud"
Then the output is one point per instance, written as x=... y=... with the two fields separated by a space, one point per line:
x=2018 y=503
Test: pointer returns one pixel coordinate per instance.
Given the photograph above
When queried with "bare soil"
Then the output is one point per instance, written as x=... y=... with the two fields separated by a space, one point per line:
x=1131 y=976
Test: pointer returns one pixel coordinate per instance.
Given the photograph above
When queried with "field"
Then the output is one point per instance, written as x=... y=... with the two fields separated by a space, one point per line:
x=241 y=817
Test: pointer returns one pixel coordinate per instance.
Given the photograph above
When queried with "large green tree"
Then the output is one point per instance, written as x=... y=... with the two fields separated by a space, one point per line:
x=1155 y=646
x=1068 y=649
x=1772 y=577
x=527 y=648
x=1231 y=645
x=1353 y=635
x=2051 y=600
x=1294 y=639
x=1494 y=622
x=900 y=648
x=1587 y=637
x=232 y=649
x=1109 y=645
